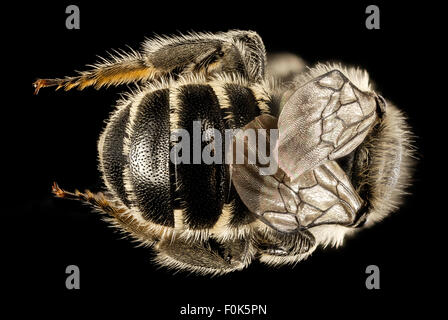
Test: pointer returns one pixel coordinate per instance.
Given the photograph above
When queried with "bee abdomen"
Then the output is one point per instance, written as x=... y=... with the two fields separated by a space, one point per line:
x=134 y=156
x=147 y=176
x=203 y=189
x=240 y=105
x=135 y=152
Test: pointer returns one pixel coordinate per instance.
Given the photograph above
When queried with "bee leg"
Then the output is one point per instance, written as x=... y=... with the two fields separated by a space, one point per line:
x=237 y=52
x=120 y=215
x=240 y=52
x=275 y=251
x=121 y=69
x=253 y=51
x=209 y=257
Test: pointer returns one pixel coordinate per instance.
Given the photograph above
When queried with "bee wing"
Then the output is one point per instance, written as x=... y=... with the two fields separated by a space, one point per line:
x=290 y=203
x=259 y=192
x=323 y=195
x=325 y=119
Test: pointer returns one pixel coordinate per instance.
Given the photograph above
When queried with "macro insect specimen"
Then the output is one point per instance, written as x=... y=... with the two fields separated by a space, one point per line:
x=344 y=152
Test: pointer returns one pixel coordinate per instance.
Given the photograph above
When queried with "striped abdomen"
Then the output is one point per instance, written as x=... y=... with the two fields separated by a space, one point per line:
x=135 y=153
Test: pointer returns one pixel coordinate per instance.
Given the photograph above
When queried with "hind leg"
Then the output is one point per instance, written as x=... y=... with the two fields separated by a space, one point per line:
x=238 y=52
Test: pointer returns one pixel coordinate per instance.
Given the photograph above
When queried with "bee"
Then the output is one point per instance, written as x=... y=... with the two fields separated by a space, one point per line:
x=344 y=153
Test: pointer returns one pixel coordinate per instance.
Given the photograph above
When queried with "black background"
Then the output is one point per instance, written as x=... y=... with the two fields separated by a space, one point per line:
x=54 y=135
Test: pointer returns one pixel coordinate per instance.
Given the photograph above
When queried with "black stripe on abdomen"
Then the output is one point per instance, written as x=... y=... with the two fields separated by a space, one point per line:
x=201 y=187
x=149 y=172
x=243 y=106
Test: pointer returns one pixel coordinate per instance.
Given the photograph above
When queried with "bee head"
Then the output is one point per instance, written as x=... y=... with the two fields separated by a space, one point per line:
x=381 y=167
